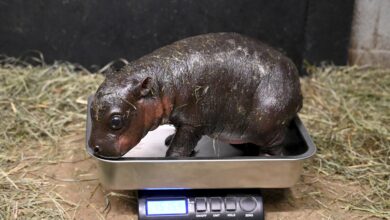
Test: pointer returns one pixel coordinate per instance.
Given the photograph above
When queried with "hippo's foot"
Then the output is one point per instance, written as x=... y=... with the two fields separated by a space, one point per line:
x=277 y=150
x=176 y=154
x=180 y=154
x=273 y=145
x=168 y=140
x=193 y=153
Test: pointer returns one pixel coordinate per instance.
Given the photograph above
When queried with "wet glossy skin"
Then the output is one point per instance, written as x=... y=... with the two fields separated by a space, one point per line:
x=224 y=85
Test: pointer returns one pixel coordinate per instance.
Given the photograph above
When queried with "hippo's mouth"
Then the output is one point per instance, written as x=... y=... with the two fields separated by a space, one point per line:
x=98 y=155
x=107 y=157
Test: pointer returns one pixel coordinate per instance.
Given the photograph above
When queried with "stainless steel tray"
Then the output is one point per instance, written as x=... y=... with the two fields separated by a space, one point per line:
x=215 y=165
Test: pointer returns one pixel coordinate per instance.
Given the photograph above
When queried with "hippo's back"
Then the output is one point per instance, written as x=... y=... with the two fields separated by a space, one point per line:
x=218 y=47
x=223 y=77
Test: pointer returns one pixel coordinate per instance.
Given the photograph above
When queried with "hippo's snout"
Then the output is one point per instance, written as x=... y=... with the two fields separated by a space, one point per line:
x=100 y=150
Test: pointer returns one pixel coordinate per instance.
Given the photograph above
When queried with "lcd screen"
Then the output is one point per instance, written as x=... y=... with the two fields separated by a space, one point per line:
x=166 y=207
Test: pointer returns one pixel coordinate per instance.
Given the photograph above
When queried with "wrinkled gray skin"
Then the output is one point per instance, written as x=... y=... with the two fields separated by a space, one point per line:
x=223 y=85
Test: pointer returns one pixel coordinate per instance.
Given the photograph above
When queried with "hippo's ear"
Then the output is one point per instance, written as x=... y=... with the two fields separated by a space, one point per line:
x=144 y=86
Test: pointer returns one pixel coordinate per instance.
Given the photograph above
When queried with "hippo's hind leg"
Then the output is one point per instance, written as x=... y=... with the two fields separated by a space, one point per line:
x=267 y=122
x=184 y=141
x=271 y=143
x=267 y=129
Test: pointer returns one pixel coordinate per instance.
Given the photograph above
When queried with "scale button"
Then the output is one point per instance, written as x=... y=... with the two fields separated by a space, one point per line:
x=230 y=203
x=216 y=204
x=248 y=204
x=200 y=204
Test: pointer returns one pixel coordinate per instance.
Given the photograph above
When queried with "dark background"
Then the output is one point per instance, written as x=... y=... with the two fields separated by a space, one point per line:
x=95 y=32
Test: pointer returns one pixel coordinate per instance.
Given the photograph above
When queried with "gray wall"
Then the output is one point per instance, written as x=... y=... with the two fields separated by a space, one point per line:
x=370 y=37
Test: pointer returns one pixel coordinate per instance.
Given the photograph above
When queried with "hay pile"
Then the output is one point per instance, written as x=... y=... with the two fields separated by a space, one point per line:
x=38 y=105
x=346 y=111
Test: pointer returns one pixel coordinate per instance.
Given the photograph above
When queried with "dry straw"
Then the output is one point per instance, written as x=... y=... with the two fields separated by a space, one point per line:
x=38 y=105
x=346 y=110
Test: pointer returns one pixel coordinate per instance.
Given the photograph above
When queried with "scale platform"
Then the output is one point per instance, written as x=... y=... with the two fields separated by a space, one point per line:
x=215 y=165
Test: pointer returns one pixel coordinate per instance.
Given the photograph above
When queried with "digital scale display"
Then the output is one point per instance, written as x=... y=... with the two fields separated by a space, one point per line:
x=166 y=207
x=239 y=204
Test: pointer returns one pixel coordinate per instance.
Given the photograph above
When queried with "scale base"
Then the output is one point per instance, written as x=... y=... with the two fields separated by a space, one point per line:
x=200 y=204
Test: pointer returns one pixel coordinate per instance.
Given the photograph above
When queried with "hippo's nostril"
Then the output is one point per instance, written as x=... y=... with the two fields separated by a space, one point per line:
x=96 y=149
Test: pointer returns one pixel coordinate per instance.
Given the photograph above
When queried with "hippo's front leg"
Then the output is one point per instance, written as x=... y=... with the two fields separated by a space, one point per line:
x=184 y=141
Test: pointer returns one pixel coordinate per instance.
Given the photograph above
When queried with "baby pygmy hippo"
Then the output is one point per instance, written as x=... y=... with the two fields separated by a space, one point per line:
x=224 y=85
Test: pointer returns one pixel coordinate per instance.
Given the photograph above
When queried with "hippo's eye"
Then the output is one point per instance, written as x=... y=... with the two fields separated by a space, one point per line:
x=116 y=122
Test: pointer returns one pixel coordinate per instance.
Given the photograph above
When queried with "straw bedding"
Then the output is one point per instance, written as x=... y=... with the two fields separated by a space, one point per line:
x=346 y=110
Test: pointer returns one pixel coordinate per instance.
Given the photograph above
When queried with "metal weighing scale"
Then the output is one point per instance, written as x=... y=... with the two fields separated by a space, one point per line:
x=220 y=182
